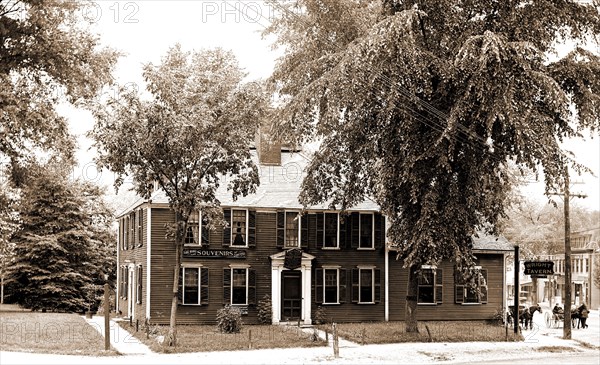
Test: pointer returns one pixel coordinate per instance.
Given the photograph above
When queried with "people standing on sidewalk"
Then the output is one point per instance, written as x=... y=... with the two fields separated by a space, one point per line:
x=583 y=315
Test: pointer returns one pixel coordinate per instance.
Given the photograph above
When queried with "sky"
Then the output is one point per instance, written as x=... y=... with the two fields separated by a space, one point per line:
x=144 y=30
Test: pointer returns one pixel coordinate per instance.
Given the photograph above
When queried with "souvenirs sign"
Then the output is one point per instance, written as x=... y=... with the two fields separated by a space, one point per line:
x=204 y=253
x=539 y=268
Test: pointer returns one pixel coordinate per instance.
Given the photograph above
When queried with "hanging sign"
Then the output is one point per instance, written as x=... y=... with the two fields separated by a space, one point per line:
x=539 y=268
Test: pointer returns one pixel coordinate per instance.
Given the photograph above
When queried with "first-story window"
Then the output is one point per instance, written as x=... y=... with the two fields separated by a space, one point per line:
x=138 y=290
x=466 y=293
x=193 y=286
x=239 y=286
x=366 y=285
x=430 y=286
x=330 y=285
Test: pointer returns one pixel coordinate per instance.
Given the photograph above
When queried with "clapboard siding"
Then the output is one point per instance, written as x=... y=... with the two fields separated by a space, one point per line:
x=136 y=255
x=448 y=310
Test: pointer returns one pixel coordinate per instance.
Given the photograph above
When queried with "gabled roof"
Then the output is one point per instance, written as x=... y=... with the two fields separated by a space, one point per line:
x=486 y=242
x=279 y=188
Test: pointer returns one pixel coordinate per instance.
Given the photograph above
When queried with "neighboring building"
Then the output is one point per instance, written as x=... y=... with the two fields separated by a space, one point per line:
x=319 y=258
x=585 y=250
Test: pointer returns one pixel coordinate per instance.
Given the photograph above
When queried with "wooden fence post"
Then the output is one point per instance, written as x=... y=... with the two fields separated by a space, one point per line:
x=336 y=345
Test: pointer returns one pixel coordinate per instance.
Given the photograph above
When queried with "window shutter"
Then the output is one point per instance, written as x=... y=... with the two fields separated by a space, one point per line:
x=379 y=230
x=251 y=287
x=141 y=228
x=320 y=229
x=226 y=285
x=483 y=288
x=342 y=281
x=204 y=232
x=355 y=230
x=280 y=228
x=180 y=291
x=251 y=228
x=439 y=286
x=126 y=292
x=138 y=291
x=227 y=227
x=121 y=246
x=343 y=223
x=377 y=286
x=312 y=232
x=318 y=286
x=304 y=231
x=125 y=232
x=136 y=227
x=203 y=285
x=355 y=287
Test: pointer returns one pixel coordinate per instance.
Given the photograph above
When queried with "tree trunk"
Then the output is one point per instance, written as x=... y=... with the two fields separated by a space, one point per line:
x=2 y=289
x=411 y=300
x=171 y=339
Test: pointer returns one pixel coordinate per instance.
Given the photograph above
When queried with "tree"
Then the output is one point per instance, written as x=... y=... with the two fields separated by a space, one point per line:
x=9 y=222
x=61 y=249
x=192 y=135
x=422 y=104
x=46 y=56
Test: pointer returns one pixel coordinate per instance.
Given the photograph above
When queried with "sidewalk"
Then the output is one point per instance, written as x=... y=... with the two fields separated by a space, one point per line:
x=120 y=339
x=590 y=335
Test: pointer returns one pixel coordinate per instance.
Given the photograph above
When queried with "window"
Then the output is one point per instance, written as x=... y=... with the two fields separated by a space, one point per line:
x=330 y=285
x=238 y=220
x=138 y=290
x=466 y=294
x=140 y=227
x=192 y=231
x=132 y=230
x=430 y=286
x=193 y=286
x=331 y=230
x=292 y=227
x=366 y=231
x=239 y=286
x=366 y=284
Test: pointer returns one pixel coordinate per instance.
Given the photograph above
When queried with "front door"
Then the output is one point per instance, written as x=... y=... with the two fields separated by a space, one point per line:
x=291 y=295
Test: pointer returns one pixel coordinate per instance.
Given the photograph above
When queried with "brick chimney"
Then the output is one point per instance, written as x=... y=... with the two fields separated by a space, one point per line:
x=269 y=151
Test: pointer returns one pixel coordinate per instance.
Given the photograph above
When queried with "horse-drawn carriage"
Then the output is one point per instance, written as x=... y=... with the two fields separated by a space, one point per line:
x=525 y=314
x=553 y=319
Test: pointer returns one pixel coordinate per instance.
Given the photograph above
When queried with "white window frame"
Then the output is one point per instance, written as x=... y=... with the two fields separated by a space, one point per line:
x=434 y=269
x=372 y=269
x=337 y=278
x=372 y=231
x=479 y=302
x=232 y=235
x=337 y=236
x=199 y=232
x=285 y=212
x=183 y=268
x=238 y=267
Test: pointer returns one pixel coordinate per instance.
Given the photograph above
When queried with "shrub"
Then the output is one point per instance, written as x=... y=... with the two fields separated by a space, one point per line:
x=265 y=309
x=229 y=320
x=320 y=316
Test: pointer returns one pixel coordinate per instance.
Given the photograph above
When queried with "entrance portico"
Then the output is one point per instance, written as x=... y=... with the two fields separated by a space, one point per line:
x=289 y=289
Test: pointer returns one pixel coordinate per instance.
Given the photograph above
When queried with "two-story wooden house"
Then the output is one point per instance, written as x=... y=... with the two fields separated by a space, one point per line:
x=302 y=261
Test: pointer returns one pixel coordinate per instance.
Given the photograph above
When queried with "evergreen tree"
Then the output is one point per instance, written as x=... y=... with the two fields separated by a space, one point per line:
x=60 y=255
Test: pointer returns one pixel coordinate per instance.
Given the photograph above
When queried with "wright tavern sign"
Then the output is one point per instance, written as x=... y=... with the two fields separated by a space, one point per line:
x=539 y=268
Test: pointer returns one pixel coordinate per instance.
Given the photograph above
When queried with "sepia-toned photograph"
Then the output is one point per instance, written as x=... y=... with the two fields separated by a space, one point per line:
x=300 y=182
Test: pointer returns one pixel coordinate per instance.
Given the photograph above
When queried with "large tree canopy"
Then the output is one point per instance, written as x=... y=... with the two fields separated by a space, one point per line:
x=191 y=136
x=421 y=104
x=46 y=56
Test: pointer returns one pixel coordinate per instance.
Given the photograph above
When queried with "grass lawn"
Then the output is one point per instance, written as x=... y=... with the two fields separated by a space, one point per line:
x=196 y=338
x=446 y=331
x=52 y=333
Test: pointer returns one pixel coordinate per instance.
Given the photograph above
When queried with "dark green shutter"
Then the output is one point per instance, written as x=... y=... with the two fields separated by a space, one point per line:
x=343 y=281
x=355 y=283
x=141 y=227
x=204 y=232
x=355 y=230
x=379 y=230
x=204 y=285
x=483 y=288
x=304 y=231
x=342 y=234
x=319 y=286
x=226 y=285
x=251 y=286
x=377 y=287
x=439 y=286
x=180 y=291
x=312 y=233
x=320 y=229
x=280 y=229
x=251 y=228
x=227 y=228
x=138 y=291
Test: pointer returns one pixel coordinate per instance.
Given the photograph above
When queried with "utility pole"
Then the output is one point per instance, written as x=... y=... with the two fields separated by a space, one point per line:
x=567 y=298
